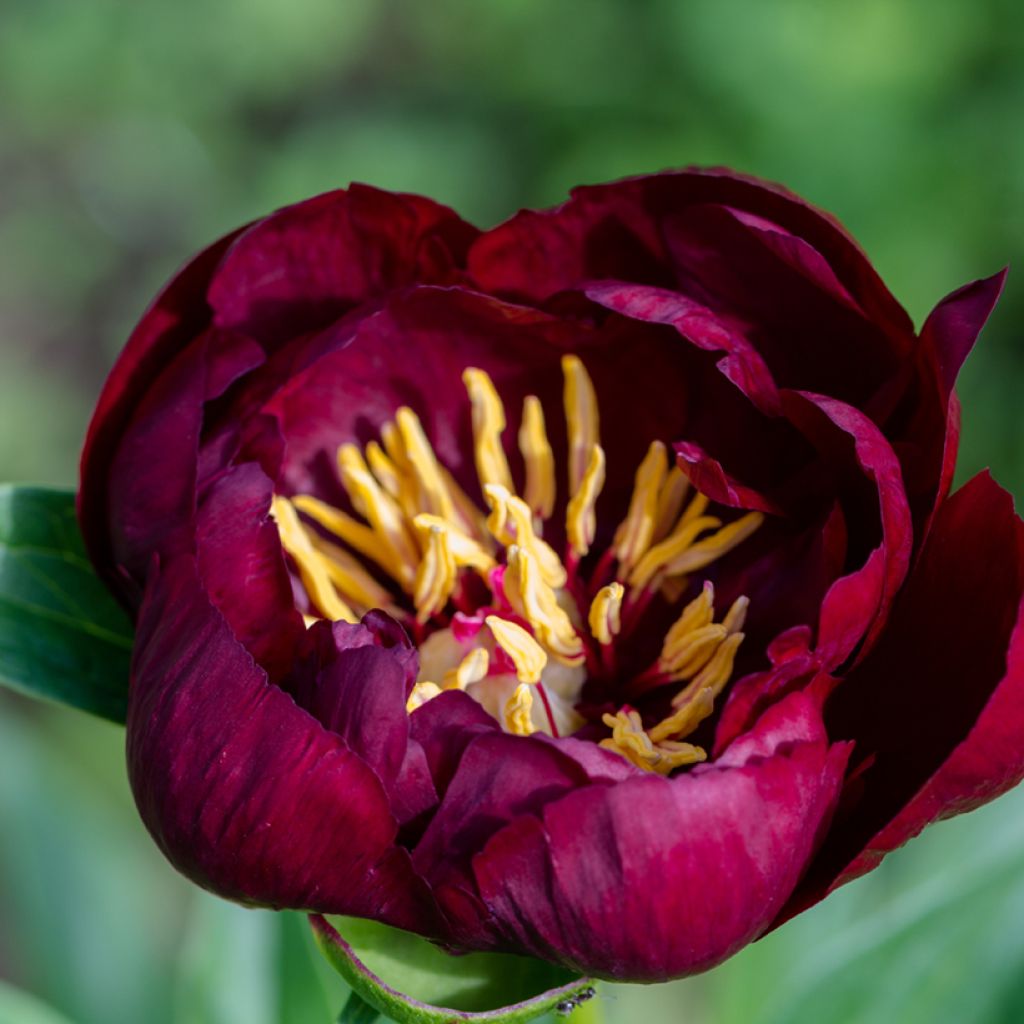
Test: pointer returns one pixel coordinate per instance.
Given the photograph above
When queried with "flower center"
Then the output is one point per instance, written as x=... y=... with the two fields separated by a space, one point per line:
x=496 y=611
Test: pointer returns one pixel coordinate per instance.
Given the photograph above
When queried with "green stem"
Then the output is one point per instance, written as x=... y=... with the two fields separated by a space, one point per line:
x=589 y=1012
x=357 y=1011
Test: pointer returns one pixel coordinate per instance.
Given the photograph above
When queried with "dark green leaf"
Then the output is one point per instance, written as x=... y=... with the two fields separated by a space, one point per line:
x=421 y=984
x=62 y=635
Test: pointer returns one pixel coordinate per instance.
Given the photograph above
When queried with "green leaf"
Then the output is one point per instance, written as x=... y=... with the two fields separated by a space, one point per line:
x=62 y=635
x=428 y=986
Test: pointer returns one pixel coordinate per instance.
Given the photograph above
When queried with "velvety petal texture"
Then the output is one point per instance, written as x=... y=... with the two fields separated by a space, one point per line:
x=282 y=761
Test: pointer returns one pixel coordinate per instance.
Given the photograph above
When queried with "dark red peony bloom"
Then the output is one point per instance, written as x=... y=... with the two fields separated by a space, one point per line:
x=588 y=587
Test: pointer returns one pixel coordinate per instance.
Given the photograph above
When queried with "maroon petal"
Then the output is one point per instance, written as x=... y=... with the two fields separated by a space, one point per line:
x=699 y=325
x=360 y=695
x=245 y=792
x=237 y=541
x=305 y=265
x=656 y=878
x=856 y=605
x=177 y=315
x=936 y=709
x=954 y=324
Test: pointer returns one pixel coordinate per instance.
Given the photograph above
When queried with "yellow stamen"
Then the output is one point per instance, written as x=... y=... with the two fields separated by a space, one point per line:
x=436 y=576
x=488 y=426
x=737 y=615
x=581 y=417
x=681 y=723
x=605 y=613
x=670 y=502
x=715 y=673
x=532 y=598
x=421 y=693
x=351 y=579
x=433 y=494
x=658 y=562
x=357 y=535
x=381 y=511
x=538 y=459
x=710 y=549
x=467 y=515
x=471 y=669
x=386 y=472
x=633 y=537
x=518 y=711
x=631 y=741
x=699 y=612
x=510 y=522
x=580 y=516
x=312 y=570
x=311 y=620
x=527 y=655
x=689 y=655
x=466 y=551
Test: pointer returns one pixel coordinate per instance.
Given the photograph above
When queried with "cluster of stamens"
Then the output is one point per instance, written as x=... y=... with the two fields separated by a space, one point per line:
x=496 y=611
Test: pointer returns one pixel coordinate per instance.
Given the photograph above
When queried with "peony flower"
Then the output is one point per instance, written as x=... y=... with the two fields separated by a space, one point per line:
x=588 y=587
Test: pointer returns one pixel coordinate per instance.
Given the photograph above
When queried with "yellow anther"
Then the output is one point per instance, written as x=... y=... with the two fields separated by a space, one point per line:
x=352 y=580
x=681 y=723
x=386 y=472
x=581 y=418
x=710 y=549
x=689 y=655
x=631 y=741
x=699 y=612
x=421 y=693
x=736 y=617
x=310 y=563
x=673 y=493
x=471 y=669
x=511 y=523
x=468 y=516
x=466 y=551
x=715 y=673
x=518 y=720
x=433 y=494
x=605 y=613
x=633 y=537
x=381 y=510
x=580 y=516
x=488 y=426
x=532 y=598
x=357 y=535
x=436 y=576
x=697 y=507
x=311 y=620
x=527 y=655
x=538 y=459
x=660 y=560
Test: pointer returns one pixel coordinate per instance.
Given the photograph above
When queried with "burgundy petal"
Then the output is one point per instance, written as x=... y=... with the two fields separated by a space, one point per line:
x=360 y=694
x=177 y=315
x=237 y=544
x=656 y=878
x=245 y=792
x=954 y=324
x=303 y=266
x=936 y=709
x=855 y=607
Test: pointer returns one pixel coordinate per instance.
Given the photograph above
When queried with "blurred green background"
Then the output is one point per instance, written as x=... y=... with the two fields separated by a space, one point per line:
x=132 y=132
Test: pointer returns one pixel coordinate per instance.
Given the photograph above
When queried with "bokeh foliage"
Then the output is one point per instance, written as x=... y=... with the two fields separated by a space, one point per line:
x=134 y=131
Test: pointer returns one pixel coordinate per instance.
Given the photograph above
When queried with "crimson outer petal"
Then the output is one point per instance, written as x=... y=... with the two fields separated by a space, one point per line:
x=937 y=709
x=654 y=877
